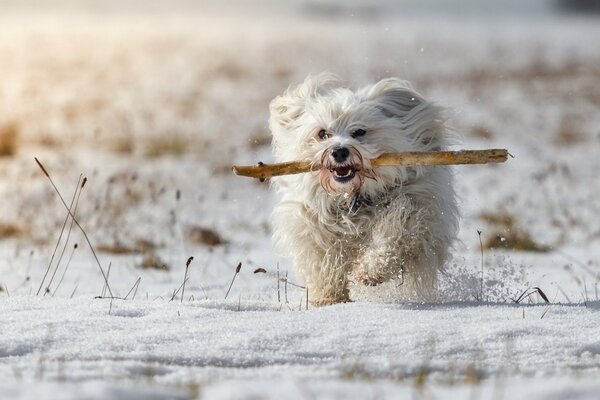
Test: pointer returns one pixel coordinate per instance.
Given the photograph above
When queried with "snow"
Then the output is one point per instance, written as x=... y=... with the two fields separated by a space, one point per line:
x=203 y=82
x=195 y=343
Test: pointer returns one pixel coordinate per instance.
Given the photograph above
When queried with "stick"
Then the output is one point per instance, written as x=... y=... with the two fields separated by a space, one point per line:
x=413 y=158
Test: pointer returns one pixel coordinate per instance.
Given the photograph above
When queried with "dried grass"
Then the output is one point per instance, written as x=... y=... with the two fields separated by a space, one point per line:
x=507 y=234
x=141 y=246
x=159 y=146
x=9 y=138
x=259 y=139
x=10 y=231
x=204 y=236
x=152 y=261
x=123 y=145
x=568 y=132
x=481 y=131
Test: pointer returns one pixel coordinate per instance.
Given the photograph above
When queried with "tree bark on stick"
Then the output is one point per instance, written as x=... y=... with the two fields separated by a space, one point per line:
x=265 y=171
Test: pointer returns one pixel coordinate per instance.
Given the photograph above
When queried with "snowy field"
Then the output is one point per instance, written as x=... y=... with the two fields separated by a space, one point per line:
x=153 y=104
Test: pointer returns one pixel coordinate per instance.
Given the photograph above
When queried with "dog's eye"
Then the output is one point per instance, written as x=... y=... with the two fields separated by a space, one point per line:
x=323 y=134
x=358 y=132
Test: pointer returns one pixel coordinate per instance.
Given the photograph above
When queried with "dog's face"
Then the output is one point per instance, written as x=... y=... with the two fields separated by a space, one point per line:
x=342 y=130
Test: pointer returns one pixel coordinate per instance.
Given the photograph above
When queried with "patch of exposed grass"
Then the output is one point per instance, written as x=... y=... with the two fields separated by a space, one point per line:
x=568 y=132
x=507 y=234
x=481 y=131
x=159 y=146
x=9 y=138
x=204 y=236
x=260 y=139
x=9 y=231
x=123 y=145
x=140 y=246
x=152 y=261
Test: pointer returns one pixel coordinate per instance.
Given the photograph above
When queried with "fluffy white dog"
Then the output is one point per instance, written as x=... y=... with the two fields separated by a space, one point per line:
x=350 y=222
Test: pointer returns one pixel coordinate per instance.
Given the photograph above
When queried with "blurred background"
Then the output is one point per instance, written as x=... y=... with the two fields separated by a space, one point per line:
x=153 y=101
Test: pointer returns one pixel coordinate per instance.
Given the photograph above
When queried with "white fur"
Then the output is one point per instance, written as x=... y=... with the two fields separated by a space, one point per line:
x=404 y=230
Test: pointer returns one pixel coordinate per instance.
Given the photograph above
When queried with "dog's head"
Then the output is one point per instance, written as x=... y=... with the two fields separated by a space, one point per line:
x=342 y=130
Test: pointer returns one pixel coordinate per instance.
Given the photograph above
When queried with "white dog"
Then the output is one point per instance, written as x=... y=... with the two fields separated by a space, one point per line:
x=350 y=222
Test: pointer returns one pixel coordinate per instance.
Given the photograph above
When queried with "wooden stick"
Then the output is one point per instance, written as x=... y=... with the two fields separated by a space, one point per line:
x=413 y=158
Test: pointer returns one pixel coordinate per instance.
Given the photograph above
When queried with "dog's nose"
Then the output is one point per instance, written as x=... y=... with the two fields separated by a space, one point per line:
x=340 y=154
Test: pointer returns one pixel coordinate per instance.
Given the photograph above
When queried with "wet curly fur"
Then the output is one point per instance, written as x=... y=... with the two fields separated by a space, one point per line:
x=350 y=222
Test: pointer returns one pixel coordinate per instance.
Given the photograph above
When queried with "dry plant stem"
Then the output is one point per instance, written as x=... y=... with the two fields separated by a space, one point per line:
x=481 y=249
x=292 y=283
x=135 y=286
x=87 y=239
x=414 y=158
x=23 y=283
x=185 y=278
x=237 y=271
x=65 y=270
x=62 y=253
x=103 y=294
x=530 y=291
x=74 y=290
x=278 y=290
x=176 y=292
x=285 y=287
x=62 y=230
x=307 y=298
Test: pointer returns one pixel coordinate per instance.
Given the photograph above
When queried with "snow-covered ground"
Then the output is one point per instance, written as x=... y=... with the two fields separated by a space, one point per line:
x=153 y=105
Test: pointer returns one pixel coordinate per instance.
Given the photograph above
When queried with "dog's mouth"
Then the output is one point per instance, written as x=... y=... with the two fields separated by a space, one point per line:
x=343 y=174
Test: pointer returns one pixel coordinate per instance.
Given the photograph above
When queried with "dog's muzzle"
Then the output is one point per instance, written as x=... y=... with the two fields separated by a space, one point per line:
x=341 y=170
x=344 y=171
x=343 y=174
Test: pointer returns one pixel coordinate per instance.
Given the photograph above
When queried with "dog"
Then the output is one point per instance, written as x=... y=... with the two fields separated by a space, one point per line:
x=349 y=222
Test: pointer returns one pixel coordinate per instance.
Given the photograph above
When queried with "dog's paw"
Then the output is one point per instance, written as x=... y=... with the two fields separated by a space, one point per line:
x=330 y=299
x=368 y=279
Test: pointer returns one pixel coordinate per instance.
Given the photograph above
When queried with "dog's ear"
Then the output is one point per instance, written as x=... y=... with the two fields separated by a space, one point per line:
x=394 y=97
x=288 y=108
x=417 y=118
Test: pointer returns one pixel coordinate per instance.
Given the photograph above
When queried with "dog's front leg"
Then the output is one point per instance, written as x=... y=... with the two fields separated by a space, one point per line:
x=324 y=272
x=319 y=258
x=392 y=247
x=381 y=261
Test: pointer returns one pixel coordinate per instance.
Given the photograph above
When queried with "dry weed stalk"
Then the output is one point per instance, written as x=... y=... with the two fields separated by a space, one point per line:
x=66 y=269
x=62 y=230
x=185 y=279
x=481 y=249
x=62 y=253
x=85 y=235
x=135 y=288
x=103 y=294
x=529 y=291
x=187 y=266
x=278 y=286
x=237 y=271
